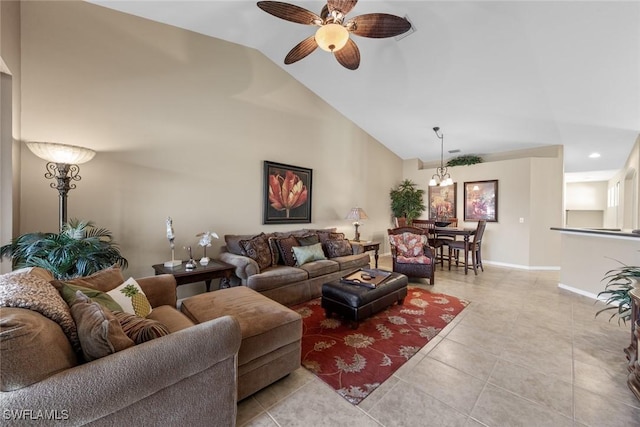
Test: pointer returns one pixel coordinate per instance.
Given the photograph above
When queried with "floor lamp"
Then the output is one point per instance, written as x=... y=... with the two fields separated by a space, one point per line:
x=63 y=161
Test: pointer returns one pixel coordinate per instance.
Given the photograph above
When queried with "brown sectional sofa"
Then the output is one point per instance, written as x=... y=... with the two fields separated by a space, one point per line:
x=289 y=284
x=188 y=377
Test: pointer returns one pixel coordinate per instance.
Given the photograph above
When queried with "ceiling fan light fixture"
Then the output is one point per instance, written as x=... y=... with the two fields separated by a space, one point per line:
x=332 y=37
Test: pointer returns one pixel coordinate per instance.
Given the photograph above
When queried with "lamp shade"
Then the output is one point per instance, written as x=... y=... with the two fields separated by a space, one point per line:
x=61 y=153
x=356 y=214
x=332 y=37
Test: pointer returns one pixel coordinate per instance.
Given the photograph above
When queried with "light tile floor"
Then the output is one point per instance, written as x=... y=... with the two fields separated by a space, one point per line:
x=523 y=353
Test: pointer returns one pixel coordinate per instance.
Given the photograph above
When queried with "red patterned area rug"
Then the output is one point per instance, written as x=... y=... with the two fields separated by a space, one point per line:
x=357 y=361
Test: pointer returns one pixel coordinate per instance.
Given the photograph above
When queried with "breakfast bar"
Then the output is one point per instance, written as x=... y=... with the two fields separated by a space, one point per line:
x=588 y=254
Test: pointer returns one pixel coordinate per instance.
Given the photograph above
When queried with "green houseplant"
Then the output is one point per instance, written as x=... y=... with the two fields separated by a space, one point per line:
x=619 y=282
x=407 y=201
x=466 y=159
x=80 y=249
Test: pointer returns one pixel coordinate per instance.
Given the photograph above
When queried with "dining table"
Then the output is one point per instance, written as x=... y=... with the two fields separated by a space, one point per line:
x=454 y=232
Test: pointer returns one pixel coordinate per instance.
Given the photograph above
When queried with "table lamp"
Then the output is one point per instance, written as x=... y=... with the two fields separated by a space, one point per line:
x=356 y=214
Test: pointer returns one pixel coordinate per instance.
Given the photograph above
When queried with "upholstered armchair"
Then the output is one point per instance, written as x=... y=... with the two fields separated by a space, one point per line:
x=411 y=253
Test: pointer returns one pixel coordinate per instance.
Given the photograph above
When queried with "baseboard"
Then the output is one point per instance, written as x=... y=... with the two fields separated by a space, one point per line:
x=523 y=267
x=578 y=291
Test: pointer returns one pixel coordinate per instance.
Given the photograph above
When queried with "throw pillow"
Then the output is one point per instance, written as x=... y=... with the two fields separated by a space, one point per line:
x=305 y=254
x=103 y=280
x=413 y=245
x=130 y=297
x=308 y=239
x=257 y=249
x=338 y=248
x=99 y=331
x=275 y=254
x=140 y=329
x=285 y=247
x=33 y=348
x=21 y=289
x=68 y=293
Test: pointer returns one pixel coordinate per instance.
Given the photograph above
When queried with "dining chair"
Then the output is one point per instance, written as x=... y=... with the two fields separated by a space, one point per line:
x=411 y=254
x=474 y=247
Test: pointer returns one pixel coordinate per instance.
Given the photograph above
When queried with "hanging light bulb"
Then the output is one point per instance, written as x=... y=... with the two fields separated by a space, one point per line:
x=441 y=177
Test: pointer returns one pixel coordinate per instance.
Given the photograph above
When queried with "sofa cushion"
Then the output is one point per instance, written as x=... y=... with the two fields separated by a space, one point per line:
x=305 y=254
x=140 y=329
x=131 y=298
x=99 y=331
x=233 y=242
x=32 y=348
x=68 y=293
x=103 y=280
x=350 y=262
x=285 y=248
x=276 y=276
x=308 y=239
x=171 y=318
x=321 y=267
x=21 y=289
x=337 y=248
x=257 y=249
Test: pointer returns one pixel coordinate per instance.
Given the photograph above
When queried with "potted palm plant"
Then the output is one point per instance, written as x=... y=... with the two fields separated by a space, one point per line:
x=80 y=249
x=407 y=201
x=620 y=282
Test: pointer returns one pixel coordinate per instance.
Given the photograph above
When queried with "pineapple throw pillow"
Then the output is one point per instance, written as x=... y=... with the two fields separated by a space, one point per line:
x=131 y=298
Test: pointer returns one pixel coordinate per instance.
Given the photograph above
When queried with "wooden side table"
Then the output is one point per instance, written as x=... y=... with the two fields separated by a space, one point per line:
x=202 y=273
x=369 y=246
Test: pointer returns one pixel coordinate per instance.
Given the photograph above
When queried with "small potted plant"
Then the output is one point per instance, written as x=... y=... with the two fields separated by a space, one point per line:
x=407 y=201
x=620 y=282
x=80 y=249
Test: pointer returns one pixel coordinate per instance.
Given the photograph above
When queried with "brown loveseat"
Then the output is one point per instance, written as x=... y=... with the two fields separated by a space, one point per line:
x=266 y=262
x=188 y=377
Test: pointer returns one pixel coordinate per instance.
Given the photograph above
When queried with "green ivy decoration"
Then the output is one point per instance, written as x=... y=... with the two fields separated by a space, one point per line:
x=468 y=159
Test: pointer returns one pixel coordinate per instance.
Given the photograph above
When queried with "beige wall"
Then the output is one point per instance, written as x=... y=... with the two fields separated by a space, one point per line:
x=528 y=188
x=9 y=122
x=625 y=215
x=586 y=196
x=182 y=124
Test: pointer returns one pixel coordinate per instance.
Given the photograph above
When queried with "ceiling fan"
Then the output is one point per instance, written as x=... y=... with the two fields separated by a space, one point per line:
x=333 y=34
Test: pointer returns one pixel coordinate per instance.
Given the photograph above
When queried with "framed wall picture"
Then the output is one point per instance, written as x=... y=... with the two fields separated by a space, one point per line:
x=442 y=202
x=287 y=194
x=481 y=200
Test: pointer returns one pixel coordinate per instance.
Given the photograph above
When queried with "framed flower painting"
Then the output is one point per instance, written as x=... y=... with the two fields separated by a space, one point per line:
x=287 y=194
x=481 y=200
x=442 y=202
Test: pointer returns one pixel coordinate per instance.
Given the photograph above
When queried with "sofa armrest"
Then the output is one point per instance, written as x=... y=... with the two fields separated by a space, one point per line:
x=160 y=290
x=188 y=378
x=245 y=266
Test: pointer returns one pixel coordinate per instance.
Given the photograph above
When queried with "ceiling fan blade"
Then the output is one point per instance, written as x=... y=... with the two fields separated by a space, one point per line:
x=290 y=12
x=343 y=6
x=349 y=55
x=378 y=25
x=302 y=49
x=325 y=12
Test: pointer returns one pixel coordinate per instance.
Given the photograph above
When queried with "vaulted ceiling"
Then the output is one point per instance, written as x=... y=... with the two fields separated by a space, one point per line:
x=495 y=76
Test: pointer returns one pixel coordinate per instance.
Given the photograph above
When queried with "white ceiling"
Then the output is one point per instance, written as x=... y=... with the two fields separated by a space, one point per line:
x=495 y=76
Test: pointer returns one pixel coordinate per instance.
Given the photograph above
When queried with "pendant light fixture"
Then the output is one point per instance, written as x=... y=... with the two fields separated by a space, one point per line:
x=441 y=177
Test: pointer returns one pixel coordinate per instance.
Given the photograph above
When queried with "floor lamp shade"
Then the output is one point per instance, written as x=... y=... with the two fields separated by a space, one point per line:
x=62 y=166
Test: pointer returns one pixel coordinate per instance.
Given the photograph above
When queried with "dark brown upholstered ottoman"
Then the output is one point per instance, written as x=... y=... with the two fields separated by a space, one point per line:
x=271 y=333
x=356 y=302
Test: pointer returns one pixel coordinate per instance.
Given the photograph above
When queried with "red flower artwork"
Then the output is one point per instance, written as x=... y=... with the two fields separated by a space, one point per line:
x=286 y=193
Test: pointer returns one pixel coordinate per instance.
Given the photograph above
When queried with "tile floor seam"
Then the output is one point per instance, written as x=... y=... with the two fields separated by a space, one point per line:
x=538 y=404
x=434 y=397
